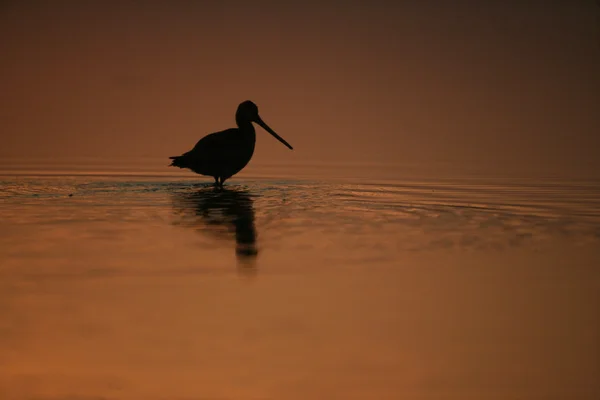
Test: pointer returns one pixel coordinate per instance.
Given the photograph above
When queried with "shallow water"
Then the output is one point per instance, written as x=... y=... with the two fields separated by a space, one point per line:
x=158 y=287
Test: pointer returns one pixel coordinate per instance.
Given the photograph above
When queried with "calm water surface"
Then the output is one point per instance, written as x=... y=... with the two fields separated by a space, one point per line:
x=141 y=287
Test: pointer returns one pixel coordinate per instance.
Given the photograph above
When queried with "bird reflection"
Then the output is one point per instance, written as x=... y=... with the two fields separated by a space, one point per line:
x=223 y=211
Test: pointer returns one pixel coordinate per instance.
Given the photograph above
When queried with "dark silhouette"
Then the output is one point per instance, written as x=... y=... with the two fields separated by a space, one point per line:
x=213 y=209
x=224 y=154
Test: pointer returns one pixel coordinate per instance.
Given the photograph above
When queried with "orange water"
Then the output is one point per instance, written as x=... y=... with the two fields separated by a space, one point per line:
x=130 y=286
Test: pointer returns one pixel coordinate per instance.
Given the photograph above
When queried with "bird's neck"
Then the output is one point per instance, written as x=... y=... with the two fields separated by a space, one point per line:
x=245 y=125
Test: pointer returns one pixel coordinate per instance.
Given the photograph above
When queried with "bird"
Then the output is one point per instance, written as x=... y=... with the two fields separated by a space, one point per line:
x=225 y=153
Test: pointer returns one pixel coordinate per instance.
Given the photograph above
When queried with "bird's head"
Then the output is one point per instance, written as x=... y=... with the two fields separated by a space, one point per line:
x=248 y=111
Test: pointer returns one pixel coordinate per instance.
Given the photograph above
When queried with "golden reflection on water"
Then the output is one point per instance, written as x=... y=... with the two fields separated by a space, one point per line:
x=126 y=291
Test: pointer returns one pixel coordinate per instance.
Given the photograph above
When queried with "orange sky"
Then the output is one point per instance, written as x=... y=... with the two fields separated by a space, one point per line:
x=494 y=84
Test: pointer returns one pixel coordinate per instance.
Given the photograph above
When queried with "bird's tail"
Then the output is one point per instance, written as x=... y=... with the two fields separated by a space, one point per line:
x=178 y=161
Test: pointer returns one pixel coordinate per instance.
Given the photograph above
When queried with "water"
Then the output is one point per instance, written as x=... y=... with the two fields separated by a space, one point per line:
x=130 y=286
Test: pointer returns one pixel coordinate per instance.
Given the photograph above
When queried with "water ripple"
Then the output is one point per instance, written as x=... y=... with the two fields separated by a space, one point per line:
x=403 y=215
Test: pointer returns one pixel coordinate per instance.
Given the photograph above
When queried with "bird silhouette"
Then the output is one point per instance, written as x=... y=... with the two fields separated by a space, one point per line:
x=224 y=154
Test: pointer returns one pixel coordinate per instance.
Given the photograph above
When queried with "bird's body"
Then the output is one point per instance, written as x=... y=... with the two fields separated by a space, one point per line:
x=225 y=153
x=220 y=154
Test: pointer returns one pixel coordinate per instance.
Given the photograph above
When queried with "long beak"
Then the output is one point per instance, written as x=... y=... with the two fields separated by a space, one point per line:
x=266 y=128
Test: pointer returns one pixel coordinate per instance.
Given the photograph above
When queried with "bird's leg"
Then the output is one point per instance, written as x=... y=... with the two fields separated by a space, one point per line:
x=216 y=181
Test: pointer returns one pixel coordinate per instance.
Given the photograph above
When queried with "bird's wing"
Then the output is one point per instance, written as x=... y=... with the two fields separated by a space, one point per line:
x=213 y=146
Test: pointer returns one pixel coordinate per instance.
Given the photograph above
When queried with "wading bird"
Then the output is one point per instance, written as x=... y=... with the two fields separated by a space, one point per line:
x=224 y=154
